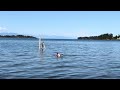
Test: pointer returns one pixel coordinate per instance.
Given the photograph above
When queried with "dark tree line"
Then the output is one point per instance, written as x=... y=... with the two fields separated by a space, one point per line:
x=106 y=36
x=16 y=36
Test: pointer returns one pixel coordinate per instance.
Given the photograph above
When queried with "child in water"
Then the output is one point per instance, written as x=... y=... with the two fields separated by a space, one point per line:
x=58 y=55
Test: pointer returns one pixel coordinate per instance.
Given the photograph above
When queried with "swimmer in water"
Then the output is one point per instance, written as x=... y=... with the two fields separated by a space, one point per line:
x=58 y=55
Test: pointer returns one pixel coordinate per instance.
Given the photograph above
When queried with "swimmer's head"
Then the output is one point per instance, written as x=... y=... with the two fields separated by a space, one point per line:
x=58 y=54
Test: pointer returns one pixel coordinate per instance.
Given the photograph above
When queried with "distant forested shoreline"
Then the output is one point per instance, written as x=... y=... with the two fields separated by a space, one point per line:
x=105 y=36
x=16 y=36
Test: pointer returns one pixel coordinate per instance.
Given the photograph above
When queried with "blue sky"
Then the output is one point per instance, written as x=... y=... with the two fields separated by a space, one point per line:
x=60 y=23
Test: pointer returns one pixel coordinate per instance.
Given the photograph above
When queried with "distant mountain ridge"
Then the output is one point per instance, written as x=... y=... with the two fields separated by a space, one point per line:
x=15 y=35
x=42 y=36
x=55 y=37
x=8 y=33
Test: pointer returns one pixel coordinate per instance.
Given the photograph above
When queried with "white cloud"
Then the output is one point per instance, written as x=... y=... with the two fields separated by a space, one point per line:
x=3 y=29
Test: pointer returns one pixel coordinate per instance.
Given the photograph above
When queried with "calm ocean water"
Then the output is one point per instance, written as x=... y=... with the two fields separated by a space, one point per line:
x=83 y=59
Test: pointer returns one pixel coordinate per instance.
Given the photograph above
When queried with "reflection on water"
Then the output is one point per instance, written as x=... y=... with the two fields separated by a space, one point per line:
x=41 y=53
